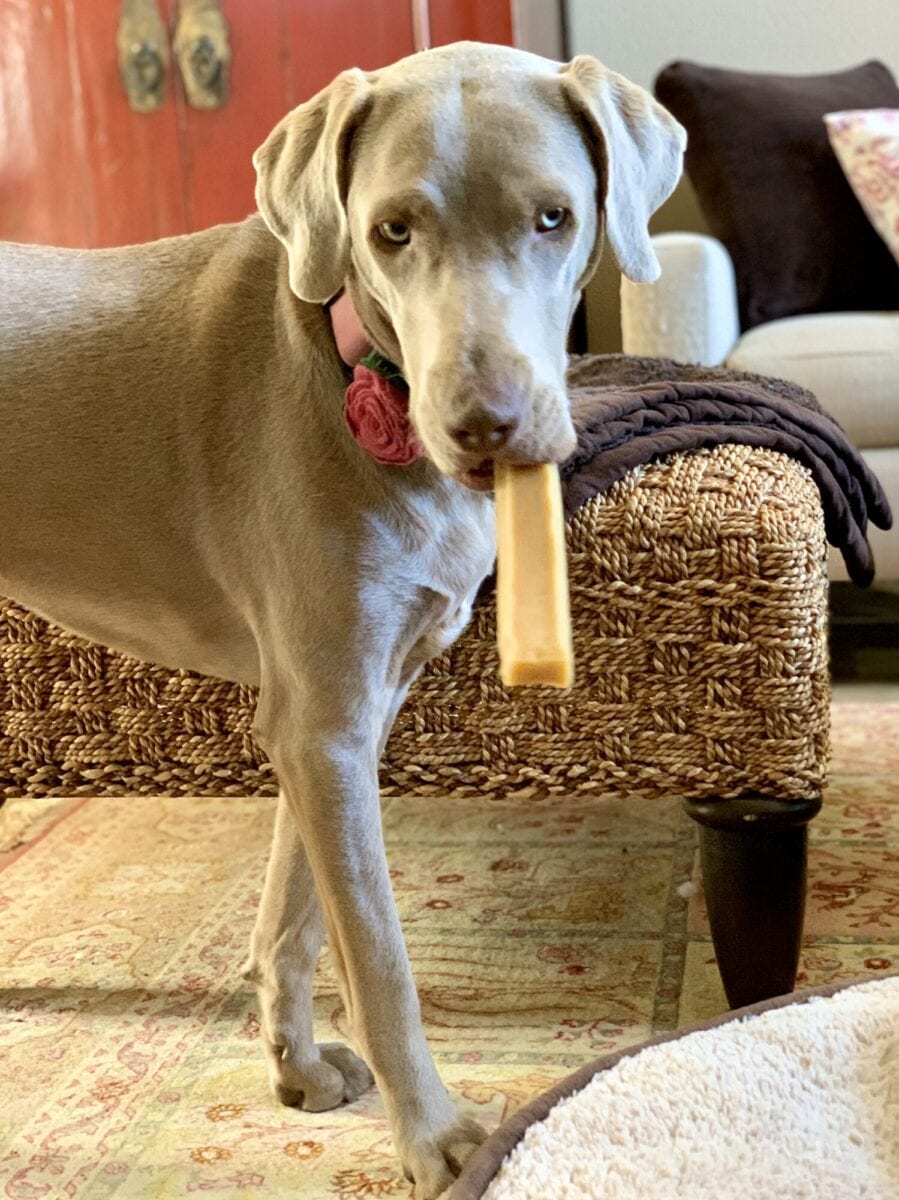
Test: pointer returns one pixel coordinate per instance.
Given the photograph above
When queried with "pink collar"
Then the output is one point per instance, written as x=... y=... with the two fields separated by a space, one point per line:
x=376 y=404
x=352 y=340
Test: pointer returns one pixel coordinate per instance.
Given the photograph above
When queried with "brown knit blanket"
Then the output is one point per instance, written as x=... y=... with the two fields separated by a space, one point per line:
x=629 y=411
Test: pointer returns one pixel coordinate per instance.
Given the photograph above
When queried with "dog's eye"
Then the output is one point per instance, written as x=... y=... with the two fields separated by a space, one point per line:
x=395 y=232
x=551 y=219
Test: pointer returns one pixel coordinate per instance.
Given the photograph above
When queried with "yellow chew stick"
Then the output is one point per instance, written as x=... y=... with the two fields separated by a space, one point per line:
x=532 y=610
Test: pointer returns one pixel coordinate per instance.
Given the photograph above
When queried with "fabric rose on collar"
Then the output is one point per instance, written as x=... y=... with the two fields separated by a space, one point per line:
x=376 y=408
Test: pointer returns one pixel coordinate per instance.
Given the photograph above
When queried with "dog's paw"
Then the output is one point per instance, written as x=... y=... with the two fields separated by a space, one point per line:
x=434 y=1163
x=337 y=1077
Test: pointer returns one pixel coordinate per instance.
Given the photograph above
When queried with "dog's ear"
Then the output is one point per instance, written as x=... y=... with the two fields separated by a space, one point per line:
x=302 y=173
x=638 y=149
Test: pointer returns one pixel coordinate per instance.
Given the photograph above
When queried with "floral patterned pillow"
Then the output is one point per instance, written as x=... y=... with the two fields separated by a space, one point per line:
x=866 y=142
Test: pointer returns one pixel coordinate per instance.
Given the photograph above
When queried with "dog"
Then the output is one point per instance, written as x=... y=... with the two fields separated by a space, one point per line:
x=178 y=482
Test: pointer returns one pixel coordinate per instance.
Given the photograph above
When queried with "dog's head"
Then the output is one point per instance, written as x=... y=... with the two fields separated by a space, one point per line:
x=461 y=195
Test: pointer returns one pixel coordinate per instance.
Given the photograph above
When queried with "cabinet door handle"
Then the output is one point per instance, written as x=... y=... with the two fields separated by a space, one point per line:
x=203 y=50
x=143 y=54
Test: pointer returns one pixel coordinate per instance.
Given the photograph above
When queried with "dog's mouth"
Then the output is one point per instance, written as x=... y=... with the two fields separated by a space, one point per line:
x=479 y=478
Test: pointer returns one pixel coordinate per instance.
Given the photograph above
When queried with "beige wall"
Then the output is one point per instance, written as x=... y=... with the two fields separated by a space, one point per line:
x=538 y=26
x=638 y=37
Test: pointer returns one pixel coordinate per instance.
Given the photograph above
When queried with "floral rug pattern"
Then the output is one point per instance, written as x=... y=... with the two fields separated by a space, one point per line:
x=542 y=934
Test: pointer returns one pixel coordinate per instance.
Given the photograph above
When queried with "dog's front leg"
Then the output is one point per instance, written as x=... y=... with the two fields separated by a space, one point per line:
x=286 y=941
x=324 y=747
x=284 y=948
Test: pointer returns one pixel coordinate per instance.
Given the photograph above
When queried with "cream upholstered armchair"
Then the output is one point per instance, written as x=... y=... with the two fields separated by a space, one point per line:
x=849 y=360
x=799 y=280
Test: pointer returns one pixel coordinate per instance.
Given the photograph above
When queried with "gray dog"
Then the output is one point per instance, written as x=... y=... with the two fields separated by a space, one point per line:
x=177 y=480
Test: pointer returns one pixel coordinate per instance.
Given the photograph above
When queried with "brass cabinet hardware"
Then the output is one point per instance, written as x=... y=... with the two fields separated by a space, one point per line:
x=142 y=42
x=203 y=51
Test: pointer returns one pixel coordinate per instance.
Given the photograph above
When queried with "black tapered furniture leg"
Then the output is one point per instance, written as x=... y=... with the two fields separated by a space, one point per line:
x=754 y=852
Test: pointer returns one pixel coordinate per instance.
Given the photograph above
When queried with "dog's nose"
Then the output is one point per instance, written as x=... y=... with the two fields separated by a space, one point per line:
x=484 y=432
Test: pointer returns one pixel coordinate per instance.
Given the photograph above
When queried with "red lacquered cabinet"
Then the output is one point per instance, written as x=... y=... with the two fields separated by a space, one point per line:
x=80 y=167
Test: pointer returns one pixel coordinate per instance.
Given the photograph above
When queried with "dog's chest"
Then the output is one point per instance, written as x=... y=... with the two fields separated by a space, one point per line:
x=463 y=549
x=448 y=570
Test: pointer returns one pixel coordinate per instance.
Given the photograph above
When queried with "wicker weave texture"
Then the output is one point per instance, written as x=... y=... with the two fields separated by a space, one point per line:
x=699 y=609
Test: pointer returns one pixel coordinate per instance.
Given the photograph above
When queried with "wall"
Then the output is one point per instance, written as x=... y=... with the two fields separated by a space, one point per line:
x=638 y=37
x=538 y=26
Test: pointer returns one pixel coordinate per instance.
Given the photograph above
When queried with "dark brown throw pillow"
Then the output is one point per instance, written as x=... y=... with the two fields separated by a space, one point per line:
x=772 y=190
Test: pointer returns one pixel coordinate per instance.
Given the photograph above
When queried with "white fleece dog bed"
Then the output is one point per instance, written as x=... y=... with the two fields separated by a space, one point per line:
x=797 y=1099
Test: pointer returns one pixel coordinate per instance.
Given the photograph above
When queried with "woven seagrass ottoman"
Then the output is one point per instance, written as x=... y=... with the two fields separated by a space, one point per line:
x=699 y=607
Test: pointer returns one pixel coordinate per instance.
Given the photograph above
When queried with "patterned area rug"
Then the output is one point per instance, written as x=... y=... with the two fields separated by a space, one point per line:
x=542 y=935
